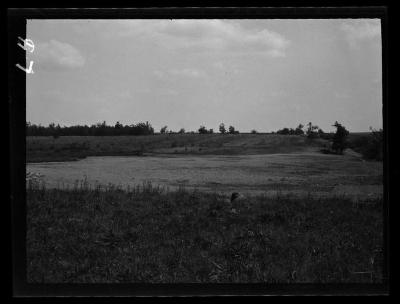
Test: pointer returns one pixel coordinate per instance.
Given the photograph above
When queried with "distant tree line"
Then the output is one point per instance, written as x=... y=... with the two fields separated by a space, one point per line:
x=338 y=139
x=99 y=129
x=231 y=129
x=203 y=130
x=370 y=146
x=102 y=129
x=311 y=131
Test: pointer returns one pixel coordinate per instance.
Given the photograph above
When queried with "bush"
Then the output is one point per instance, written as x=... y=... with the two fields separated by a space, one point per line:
x=371 y=146
x=222 y=129
x=163 y=130
x=203 y=130
x=232 y=130
x=340 y=143
x=327 y=136
x=99 y=129
x=284 y=131
x=375 y=145
x=312 y=131
x=299 y=130
x=291 y=131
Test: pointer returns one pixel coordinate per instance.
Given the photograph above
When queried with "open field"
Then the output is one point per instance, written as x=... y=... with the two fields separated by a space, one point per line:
x=249 y=163
x=106 y=235
x=295 y=173
x=42 y=149
x=166 y=216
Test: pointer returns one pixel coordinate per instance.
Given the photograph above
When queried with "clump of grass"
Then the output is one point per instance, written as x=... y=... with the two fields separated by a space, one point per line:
x=150 y=234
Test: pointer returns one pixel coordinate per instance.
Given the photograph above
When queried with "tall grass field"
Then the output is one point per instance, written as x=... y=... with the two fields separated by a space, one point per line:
x=147 y=234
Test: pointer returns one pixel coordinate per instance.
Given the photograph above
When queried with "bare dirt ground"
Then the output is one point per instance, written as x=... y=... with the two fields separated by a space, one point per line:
x=300 y=174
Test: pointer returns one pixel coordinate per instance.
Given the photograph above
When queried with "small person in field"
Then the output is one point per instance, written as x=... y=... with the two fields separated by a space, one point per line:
x=235 y=196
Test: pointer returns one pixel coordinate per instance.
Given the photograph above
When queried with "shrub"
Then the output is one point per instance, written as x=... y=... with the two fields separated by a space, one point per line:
x=371 y=146
x=299 y=130
x=222 y=129
x=163 y=130
x=284 y=131
x=203 y=130
x=232 y=130
x=312 y=130
x=375 y=145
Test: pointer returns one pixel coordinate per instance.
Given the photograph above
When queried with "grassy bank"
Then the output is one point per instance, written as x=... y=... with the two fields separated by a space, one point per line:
x=145 y=234
x=64 y=148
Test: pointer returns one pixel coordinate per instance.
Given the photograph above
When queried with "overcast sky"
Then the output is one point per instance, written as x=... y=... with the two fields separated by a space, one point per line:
x=252 y=74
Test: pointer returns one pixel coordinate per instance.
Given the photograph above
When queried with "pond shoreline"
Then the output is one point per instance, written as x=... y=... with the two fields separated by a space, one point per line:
x=297 y=173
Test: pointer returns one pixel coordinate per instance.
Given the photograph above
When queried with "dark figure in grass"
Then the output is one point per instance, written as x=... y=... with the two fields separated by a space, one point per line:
x=234 y=196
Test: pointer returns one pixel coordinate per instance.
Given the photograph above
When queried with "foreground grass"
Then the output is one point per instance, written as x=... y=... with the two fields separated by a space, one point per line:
x=145 y=234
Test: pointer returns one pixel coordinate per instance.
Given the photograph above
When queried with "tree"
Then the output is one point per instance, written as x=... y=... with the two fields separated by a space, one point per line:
x=299 y=130
x=149 y=128
x=253 y=131
x=203 y=130
x=231 y=130
x=284 y=131
x=57 y=131
x=311 y=130
x=339 y=143
x=163 y=130
x=222 y=129
x=99 y=129
x=182 y=131
x=143 y=129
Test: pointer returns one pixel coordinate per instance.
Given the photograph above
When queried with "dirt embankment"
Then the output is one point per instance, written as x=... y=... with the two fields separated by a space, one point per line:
x=65 y=148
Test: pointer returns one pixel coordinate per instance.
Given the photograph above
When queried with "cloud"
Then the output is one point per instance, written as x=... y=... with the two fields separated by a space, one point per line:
x=186 y=72
x=358 y=30
x=57 y=55
x=169 y=92
x=193 y=73
x=223 y=67
x=159 y=74
x=207 y=35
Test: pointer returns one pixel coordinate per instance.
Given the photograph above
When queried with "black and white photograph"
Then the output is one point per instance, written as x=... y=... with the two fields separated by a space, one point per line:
x=204 y=150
